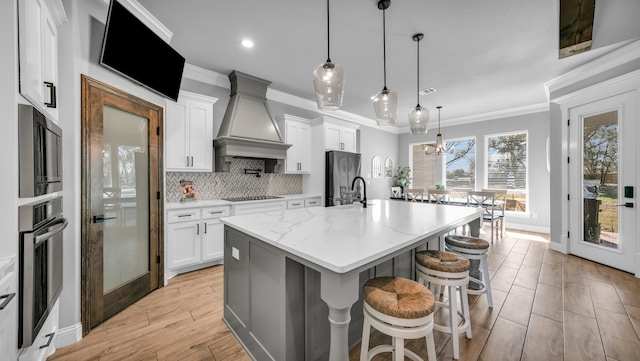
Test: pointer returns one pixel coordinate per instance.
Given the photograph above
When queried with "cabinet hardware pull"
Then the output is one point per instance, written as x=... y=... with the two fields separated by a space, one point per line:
x=205 y=228
x=295 y=204
x=215 y=212
x=198 y=228
x=50 y=336
x=184 y=215
x=187 y=161
x=191 y=161
x=52 y=92
x=7 y=299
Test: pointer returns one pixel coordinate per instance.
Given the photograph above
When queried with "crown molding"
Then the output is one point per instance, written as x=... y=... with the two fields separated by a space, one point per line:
x=504 y=113
x=145 y=16
x=599 y=65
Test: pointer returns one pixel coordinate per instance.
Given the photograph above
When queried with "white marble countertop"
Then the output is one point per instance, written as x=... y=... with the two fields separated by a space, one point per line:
x=220 y=202
x=344 y=238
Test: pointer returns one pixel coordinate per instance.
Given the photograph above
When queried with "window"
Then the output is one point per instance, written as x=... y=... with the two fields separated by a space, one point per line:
x=388 y=168
x=423 y=167
x=461 y=163
x=507 y=167
x=376 y=167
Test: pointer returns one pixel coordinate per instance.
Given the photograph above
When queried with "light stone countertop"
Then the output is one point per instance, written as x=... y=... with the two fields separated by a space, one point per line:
x=220 y=202
x=344 y=238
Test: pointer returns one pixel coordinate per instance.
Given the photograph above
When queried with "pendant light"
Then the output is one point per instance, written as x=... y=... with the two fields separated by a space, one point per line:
x=385 y=103
x=439 y=147
x=418 y=116
x=328 y=80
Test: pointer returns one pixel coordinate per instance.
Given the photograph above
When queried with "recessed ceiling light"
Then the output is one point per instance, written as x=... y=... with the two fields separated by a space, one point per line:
x=247 y=43
x=427 y=91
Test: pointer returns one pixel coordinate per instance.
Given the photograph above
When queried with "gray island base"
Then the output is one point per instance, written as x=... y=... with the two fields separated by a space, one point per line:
x=293 y=278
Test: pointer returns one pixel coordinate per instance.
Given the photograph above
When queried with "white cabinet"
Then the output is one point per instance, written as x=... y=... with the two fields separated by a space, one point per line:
x=340 y=138
x=189 y=133
x=9 y=309
x=312 y=202
x=303 y=202
x=213 y=236
x=297 y=132
x=259 y=207
x=38 y=36
x=195 y=236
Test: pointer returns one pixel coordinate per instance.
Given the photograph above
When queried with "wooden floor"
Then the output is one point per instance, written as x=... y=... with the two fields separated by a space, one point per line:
x=547 y=306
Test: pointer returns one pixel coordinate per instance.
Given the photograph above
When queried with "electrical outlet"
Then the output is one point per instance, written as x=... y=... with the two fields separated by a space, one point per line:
x=235 y=253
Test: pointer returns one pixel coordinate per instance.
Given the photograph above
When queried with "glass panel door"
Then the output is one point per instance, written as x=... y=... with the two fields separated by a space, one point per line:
x=126 y=197
x=602 y=164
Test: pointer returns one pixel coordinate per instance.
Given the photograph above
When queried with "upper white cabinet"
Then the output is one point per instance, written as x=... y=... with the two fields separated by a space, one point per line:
x=340 y=137
x=189 y=133
x=297 y=132
x=38 y=35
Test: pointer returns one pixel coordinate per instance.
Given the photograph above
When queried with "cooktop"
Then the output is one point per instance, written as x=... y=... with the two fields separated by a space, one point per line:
x=249 y=198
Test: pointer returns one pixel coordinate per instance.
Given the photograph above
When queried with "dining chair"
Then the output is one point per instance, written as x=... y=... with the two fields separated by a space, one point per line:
x=458 y=196
x=486 y=200
x=414 y=194
x=438 y=196
x=499 y=206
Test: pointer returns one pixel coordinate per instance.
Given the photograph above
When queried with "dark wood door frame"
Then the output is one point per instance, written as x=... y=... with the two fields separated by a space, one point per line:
x=95 y=95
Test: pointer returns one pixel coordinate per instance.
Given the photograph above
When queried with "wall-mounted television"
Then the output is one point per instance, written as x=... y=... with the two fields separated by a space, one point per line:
x=132 y=49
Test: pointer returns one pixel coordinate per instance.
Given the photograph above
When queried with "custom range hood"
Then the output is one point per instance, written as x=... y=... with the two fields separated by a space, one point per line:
x=248 y=130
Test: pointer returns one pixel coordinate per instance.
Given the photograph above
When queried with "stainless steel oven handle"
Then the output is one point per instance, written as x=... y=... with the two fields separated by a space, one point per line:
x=43 y=237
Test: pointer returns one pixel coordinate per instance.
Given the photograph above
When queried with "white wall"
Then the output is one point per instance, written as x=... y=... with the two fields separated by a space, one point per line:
x=537 y=125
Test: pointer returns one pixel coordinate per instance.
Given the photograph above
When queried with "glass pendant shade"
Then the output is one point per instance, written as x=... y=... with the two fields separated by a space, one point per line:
x=385 y=105
x=328 y=80
x=418 y=120
x=439 y=147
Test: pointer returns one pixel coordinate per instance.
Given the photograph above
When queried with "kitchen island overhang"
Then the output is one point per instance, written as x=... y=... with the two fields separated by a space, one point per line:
x=266 y=256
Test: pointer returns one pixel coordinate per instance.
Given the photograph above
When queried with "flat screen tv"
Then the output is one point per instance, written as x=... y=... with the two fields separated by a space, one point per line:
x=132 y=49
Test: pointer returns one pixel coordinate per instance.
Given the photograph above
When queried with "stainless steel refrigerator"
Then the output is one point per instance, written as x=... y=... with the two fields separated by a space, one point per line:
x=341 y=169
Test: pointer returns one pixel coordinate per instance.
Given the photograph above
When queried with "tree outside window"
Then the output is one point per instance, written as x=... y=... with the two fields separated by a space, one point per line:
x=507 y=168
x=461 y=164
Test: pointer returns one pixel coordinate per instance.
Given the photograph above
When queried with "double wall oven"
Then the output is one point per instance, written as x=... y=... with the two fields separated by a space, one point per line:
x=40 y=223
x=41 y=241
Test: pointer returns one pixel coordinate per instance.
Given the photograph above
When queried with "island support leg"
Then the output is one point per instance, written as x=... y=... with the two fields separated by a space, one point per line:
x=340 y=292
x=474 y=269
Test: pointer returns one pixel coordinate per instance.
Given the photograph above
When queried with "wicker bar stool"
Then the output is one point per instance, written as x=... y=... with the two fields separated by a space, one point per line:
x=400 y=308
x=440 y=268
x=473 y=249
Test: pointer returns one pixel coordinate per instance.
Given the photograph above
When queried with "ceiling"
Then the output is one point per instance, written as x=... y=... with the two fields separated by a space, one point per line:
x=481 y=56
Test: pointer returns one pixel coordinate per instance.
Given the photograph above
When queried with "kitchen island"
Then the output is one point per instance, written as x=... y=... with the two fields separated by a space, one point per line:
x=284 y=270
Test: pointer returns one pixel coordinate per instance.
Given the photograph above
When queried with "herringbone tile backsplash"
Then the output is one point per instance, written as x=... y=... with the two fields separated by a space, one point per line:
x=234 y=183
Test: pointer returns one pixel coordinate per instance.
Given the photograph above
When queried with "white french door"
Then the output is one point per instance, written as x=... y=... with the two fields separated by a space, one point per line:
x=603 y=178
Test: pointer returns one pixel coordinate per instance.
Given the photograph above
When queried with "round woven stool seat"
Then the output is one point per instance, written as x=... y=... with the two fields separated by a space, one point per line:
x=398 y=297
x=400 y=308
x=442 y=261
x=466 y=242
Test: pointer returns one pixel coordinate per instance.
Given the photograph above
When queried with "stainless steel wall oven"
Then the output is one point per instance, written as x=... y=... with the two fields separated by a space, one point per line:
x=41 y=242
x=40 y=152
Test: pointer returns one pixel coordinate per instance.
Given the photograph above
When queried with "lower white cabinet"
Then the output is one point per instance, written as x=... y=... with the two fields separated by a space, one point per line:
x=9 y=311
x=194 y=236
x=258 y=207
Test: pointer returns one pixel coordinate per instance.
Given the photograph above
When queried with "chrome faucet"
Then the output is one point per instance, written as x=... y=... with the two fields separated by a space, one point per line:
x=364 y=184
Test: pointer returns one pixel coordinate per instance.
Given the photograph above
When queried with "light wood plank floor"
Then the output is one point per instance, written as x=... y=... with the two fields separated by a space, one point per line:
x=547 y=306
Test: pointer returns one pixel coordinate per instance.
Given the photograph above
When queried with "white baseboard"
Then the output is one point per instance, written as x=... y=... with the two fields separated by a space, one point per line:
x=526 y=227
x=68 y=335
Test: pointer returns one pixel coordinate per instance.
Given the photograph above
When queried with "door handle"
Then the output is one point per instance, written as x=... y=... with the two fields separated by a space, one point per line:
x=627 y=205
x=101 y=218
